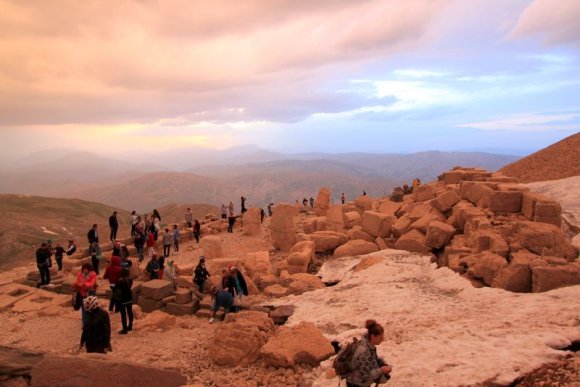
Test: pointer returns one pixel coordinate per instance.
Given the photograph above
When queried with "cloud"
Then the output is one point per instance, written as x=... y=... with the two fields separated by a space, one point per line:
x=143 y=61
x=529 y=122
x=555 y=22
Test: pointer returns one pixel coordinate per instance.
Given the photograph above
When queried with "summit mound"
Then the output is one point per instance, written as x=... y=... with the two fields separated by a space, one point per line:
x=558 y=161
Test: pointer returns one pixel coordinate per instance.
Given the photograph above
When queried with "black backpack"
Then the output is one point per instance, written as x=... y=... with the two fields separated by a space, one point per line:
x=342 y=363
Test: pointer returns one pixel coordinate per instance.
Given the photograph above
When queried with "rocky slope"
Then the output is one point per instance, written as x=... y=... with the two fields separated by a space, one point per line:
x=558 y=161
x=439 y=330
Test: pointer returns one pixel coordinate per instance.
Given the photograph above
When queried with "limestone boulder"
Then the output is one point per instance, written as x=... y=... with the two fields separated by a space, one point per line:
x=282 y=229
x=252 y=221
x=281 y=314
x=239 y=339
x=211 y=246
x=414 y=241
x=377 y=224
x=446 y=201
x=315 y=224
x=517 y=276
x=322 y=201
x=389 y=208
x=355 y=247
x=422 y=224
x=335 y=218
x=550 y=277
x=363 y=203
x=506 y=201
x=88 y=371
x=488 y=240
x=257 y=263
x=423 y=193
x=439 y=234
x=301 y=344
x=275 y=291
x=352 y=218
x=262 y=281
x=401 y=226
x=156 y=289
x=301 y=255
x=311 y=281
x=357 y=233
x=477 y=192
x=486 y=266
x=545 y=240
x=325 y=241
x=157 y=320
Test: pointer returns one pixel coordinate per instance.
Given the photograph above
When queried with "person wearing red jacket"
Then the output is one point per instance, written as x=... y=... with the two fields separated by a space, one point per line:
x=113 y=273
x=150 y=244
x=85 y=285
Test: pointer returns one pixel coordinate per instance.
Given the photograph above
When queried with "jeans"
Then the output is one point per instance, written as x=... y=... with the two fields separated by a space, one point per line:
x=166 y=251
x=126 y=309
x=44 y=274
x=176 y=245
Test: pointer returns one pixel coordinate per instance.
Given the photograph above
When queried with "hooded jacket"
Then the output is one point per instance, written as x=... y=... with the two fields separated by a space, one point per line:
x=113 y=271
x=84 y=285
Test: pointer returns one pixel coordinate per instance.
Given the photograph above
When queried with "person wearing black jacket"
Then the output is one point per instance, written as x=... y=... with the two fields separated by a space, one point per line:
x=124 y=298
x=196 y=230
x=58 y=254
x=93 y=235
x=42 y=262
x=96 y=334
x=200 y=274
x=114 y=224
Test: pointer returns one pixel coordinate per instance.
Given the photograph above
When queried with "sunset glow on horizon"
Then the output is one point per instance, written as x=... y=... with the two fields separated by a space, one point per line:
x=295 y=76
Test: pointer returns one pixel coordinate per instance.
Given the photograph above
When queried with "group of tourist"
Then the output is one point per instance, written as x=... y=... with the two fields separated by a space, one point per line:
x=44 y=258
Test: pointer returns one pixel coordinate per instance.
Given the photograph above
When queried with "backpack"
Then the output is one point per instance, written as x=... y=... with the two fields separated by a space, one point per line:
x=342 y=363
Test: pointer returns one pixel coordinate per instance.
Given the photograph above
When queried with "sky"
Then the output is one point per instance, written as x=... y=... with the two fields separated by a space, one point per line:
x=388 y=76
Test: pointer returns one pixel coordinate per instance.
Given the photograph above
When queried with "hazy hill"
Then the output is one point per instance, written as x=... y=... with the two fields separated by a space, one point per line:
x=558 y=161
x=160 y=188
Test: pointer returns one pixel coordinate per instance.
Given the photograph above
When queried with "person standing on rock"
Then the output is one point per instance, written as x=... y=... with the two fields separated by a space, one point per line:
x=231 y=222
x=93 y=235
x=97 y=327
x=139 y=242
x=368 y=367
x=196 y=230
x=85 y=285
x=200 y=274
x=114 y=225
x=224 y=211
x=71 y=249
x=42 y=262
x=155 y=226
x=166 y=243
x=58 y=254
x=270 y=209
x=243 y=205
x=311 y=202
x=262 y=215
x=95 y=253
x=176 y=239
x=113 y=273
x=133 y=222
x=189 y=218
x=124 y=299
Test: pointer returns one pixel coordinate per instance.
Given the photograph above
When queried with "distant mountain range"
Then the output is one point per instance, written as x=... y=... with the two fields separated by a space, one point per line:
x=202 y=175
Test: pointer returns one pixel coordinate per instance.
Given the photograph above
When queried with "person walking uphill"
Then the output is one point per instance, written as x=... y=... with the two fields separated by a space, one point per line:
x=114 y=225
x=368 y=367
x=96 y=334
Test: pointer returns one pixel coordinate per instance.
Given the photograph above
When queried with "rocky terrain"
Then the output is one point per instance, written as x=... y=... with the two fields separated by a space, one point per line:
x=558 y=161
x=475 y=278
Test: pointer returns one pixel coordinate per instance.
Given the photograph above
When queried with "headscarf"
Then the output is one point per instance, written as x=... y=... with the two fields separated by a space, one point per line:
x=91 y=303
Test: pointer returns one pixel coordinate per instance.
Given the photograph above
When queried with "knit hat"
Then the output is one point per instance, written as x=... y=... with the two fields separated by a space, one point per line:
x=91 y=303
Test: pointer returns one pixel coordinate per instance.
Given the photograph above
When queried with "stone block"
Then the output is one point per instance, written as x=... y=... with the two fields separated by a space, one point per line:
x=377 y=224
x=423 y=193
x=355 y=247
x=413 y=241
x=148 y=305
x=546 y=278
x=281 y=314
x=180 y=309
x=352 y=219
x=156 y=289
x=211 y=246
x=183 y=296
x=439 y=234
x=506 y=201
x=322 y=201
x=401 y=226
x=446 y=201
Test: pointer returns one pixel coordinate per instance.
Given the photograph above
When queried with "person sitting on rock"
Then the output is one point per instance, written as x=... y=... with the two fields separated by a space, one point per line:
x=200 y=274
x=124 y=299
x=368 y=367
x=85 y=284
x=222 y=298
x=153 y=267
x=96 y=334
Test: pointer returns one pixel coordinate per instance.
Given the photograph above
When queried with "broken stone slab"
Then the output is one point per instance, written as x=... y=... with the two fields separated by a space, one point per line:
x=281 y=314
x=157 y=289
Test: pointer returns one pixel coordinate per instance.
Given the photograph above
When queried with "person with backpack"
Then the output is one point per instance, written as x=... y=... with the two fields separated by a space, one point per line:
x=359 y=363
